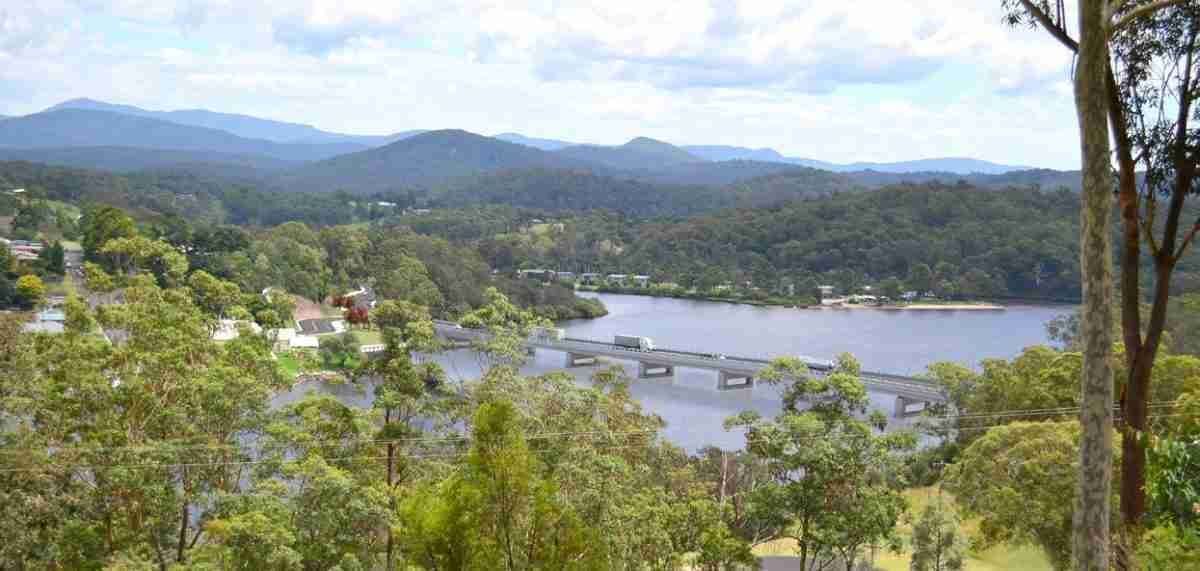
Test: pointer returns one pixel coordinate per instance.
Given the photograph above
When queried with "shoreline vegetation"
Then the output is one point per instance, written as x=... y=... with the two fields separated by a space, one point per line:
x=798 y=302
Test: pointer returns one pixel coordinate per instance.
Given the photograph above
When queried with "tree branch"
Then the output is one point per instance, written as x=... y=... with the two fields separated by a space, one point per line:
x=1143 y=10
x=1188 y=240
x=1055 y=30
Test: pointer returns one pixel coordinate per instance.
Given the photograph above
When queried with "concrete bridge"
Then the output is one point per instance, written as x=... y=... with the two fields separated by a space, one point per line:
x=912 y=394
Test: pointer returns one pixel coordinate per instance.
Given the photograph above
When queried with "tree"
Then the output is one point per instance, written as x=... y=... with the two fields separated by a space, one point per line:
x=831 y=480
x=938 y=543
x=1148 y=89
x=340 y=352
x=129 y=444
x=1021 y=479
x=30 y=291
x=920 y=278
x=1091 y=537
x=409 y=281
x=215 y=296
x=508 y=328
x=101 y=224
x=127 y=256
x=498 y=512
x=52 y=259
x=891 y=288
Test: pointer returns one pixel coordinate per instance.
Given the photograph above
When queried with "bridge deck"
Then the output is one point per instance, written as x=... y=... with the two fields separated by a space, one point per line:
x=900 y=385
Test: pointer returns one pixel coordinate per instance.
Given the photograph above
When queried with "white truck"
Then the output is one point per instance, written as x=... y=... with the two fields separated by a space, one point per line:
x=634 y=342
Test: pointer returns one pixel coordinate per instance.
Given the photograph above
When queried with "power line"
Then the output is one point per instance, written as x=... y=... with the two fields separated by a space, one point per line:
x=165 y=446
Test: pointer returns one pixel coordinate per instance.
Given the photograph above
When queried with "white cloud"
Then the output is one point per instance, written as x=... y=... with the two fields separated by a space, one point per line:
x=837 y=81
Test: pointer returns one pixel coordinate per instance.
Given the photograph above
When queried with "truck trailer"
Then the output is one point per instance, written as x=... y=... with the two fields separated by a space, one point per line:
x=634 y=342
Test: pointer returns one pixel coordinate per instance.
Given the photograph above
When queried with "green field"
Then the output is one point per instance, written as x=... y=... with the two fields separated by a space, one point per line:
x=289 y=365
x=997 y=558
x=367 y=336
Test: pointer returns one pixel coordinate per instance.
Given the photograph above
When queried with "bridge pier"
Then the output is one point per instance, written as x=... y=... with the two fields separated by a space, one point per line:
x=580 y=360
x=903 y=410
x=727 y=380
x=654 y=370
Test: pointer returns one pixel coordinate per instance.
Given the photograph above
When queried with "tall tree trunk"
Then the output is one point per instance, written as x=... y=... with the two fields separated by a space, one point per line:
x=1135 y=403
x=1091 y=526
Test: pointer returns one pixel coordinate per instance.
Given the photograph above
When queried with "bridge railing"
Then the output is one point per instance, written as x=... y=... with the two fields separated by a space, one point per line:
x=915 y=384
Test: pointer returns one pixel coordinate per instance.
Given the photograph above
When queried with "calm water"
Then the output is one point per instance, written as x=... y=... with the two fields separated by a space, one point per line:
x=890 y=341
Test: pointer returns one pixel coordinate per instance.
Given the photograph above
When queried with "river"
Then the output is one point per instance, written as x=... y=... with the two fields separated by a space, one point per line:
x=889 y=341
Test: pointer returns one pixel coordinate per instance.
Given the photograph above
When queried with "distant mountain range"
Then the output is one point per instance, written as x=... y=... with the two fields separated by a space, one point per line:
x=956 y=165
x=422 y=161
x=90 y=128
x=639 y=153
x=126 y=159
x=240 y=125
x=86 y=133
x=543 y=144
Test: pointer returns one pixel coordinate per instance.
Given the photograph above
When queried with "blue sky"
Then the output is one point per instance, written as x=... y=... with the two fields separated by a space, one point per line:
x=837 y=81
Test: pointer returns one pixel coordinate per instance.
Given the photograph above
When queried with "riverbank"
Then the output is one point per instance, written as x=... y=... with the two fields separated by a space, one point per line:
x=981 y=306
x=798 y=302
x=768 y=301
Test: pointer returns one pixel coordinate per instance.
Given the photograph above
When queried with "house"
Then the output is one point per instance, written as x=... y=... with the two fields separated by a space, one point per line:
x=46 y=321
x=589 y=277
x=24 y=250
x=299 y=341
x=825 y=291
x=616 y=279
x=321 y=326
x=641 y=280
x=387 y=204
x=564 y=276
x=17 y=191
x=536 y=274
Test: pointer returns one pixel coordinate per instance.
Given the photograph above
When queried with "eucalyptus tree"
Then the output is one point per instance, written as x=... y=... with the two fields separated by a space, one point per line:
x=1141 y=64
x=127 y=445
x=833 y=485
x=403 y=390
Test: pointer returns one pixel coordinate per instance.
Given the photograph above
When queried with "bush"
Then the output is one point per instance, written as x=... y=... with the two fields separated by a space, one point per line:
x=1169 y=547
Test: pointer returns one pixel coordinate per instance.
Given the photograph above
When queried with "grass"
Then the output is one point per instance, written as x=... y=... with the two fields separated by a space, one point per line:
x=997 y=558
x=330 y=311
x=367 y=336
x=289 y=364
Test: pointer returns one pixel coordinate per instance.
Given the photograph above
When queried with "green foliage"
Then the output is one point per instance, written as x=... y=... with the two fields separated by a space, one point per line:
x=832 y=483
x=938 y=542
x=30 y=291
x=1021 y=480
x=1170 y=547
x=508 y=327
x=340 y=352
x=132 y=441
x=99 y=225
x=1173 y=480
x=52 y=259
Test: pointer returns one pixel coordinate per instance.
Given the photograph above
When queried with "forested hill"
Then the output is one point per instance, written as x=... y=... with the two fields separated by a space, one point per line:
x=421 y=161
x=951 y=239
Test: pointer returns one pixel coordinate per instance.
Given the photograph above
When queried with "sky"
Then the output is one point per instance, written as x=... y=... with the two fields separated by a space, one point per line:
x=834 y=80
